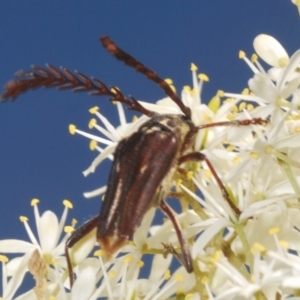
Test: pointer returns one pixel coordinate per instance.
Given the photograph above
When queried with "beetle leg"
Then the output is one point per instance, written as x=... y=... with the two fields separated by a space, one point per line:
x=185 y=257
x=75 y=237
x=198 y=156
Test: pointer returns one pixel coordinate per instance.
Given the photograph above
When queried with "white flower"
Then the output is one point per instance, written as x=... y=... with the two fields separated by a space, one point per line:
x=272 y=89
x=264 y=282
x=50 y=243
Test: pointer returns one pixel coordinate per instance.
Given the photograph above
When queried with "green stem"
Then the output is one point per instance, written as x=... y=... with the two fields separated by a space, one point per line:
x=235 y=261
x=297 y=293
x=288 y=171
x=195 y=206
x=260 y=296
x=240 y=231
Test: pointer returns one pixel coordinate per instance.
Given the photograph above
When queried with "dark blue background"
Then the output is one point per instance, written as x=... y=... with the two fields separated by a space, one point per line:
x=38 y=156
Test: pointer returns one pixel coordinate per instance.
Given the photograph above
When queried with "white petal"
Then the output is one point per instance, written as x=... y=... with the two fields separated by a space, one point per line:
x=84 y=285
x=83 y=247
x=112 y=133
x=207 y=235
x=291 y=282
x=164 y=108
x=159 y=266
x=48 y=231
x=96 y=192
x=263 y=87
x=289 y=69
x=141 y=233
x=292 y=141
x=260 y=206
x=15 y=246
x=108 y=150
x=270 y=50
x=27 y=296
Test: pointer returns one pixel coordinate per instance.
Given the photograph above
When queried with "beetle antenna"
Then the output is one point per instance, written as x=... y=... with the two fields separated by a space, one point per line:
x=64 y=79
x=118 y=53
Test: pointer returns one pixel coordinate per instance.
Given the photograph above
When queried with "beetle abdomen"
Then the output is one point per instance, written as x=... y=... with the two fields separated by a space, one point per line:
x=142 y=161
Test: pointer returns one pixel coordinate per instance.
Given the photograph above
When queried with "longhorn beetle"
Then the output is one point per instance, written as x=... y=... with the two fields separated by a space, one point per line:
x=145 y=162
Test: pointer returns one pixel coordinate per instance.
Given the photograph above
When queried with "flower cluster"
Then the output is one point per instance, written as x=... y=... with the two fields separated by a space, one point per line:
x=249 y=252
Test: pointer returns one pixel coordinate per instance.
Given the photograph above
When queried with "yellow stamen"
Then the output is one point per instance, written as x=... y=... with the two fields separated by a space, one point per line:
x=208 y=174
x=23 y=219
x=134 y=118
x=112 y=274
x=92 y=123
x=257 y=247
x=230 y=117
x=173 y=88
x=99 y=252
x=34 y=201
x=194 y=67
x=190 y=175
x=68 y=229
x=114 y=89
x=72 y=129
x=220 y=93
x=93 y=145
x=178 y=182
x=254 y=155
x=128 y=259
x=4 y=258
x=254 y=57
x=284 y=244
x=194 y=92
x=242 y=54
x=167 y=274
x=203 y=77
x=236 y=160
x=94 y=109
x=245 y=91
x=187 y=89
x=274 y=230
x=140 y=264
x=250 y=106
x=234 y=109
x=297 y=129
x=242 y=105
x=216 y=257
x=67 y=203
x=230 y=148
x=169 y=81
x=179 y=277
